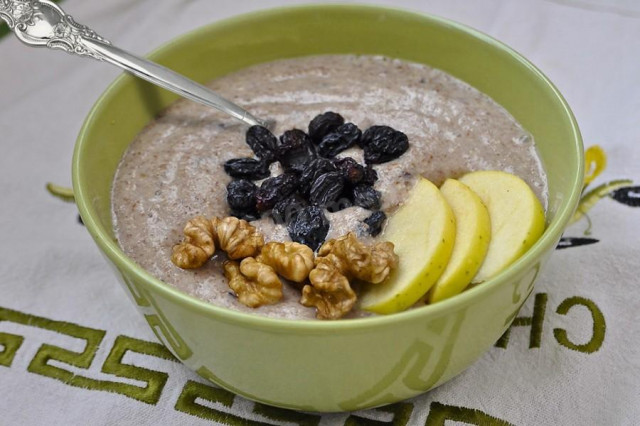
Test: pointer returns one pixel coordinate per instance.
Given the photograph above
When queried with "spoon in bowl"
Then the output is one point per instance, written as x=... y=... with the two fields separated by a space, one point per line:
x=42 y=23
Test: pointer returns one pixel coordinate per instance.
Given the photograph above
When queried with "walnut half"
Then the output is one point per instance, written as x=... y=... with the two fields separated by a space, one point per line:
x=292 y=260
x=329 y=292
x=237 y=237
x=254 y=283
x=201 y=236
x=198 y=245
x=354 y=259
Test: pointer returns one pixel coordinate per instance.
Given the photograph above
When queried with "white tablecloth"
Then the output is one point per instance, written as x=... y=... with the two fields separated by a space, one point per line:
x=575 y=361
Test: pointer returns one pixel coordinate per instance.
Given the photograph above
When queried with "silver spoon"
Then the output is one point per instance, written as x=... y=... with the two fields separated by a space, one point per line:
x=44 y=24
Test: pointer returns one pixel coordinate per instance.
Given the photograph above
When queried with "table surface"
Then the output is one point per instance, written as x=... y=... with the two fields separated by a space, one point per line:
x=573 y=357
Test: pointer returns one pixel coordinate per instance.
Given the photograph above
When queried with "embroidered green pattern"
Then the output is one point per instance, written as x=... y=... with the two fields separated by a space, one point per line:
x=61 y=192
x=535 y=322
x=40 y=364
x=155 y=380
x=283 y=415
x=590 y=199
x=361 y=421
x=11 y=343
x=401 y=414
x=440 y=413
x=193 y=390
x=599 y=325
x=216 y=404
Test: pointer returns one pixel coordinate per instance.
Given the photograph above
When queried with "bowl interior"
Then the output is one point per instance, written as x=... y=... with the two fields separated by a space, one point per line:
x=129 y=104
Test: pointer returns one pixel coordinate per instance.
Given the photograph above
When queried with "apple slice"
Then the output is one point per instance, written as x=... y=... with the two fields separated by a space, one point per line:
x=423 y=232
x=517 y=218
x=473 y=232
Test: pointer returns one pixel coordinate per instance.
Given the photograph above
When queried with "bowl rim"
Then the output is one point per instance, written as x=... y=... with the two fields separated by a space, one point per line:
x=112 y=250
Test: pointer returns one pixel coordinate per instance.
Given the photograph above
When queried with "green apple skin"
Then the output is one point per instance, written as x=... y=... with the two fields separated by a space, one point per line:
x=423 y=233
x=473 y=234
x=517 y=218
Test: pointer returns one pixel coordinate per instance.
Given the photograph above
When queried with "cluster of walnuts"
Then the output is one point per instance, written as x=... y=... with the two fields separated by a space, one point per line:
x=255 y=278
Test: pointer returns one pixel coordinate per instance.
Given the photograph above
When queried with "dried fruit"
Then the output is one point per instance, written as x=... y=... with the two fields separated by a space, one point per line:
x=326 y=189
x=275 y=189
x=340 y=204
x=295 y=150
x=285 y=210
x=237 y=237
x=366 y=197
x=246 y=168
x=352 y=172
x=324 y=124
x=198 y=245
x=263 y=143
x=292 y=260
x=249 y=215
x=350 y=132
x=329 y=292
x=309 y=227
x=375 y=222
x=312 y=171
x=344 y=137
x=254 y=283
x=370 y=175
x=241 y=195
x=382 y=144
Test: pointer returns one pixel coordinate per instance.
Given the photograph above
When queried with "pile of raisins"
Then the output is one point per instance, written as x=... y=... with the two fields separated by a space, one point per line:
x=313 y=179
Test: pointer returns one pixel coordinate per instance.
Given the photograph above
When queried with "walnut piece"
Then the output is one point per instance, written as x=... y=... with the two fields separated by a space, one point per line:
x=201 y=236
x=356 y=260
x=237 y=238
x=292 y=260
x=254 y=283
x=198 y=245
x=329 y=292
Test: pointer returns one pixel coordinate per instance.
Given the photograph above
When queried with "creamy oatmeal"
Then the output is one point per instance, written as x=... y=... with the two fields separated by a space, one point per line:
x=174 y=168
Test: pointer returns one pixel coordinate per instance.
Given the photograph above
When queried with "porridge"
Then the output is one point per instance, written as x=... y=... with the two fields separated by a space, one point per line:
x=175 y=169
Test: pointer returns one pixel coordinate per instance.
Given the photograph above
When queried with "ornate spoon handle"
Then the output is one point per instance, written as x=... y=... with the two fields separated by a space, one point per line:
x=44 y=24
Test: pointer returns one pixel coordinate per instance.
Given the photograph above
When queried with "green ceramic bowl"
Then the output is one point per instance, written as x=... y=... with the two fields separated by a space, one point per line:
x=350 y=364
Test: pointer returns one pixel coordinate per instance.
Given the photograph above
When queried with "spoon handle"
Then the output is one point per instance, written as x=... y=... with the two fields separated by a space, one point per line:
x=44 y=24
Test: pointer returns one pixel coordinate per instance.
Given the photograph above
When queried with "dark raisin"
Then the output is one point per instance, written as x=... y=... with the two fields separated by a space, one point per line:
x=350 y=132
x=248 y=215
x=326 y=189
x=309 y=227
x=331 y=145
x=295 y=150
x=246 y=168
x=285 y=210
x=382 y=144
x=344 y=137
x=340 y=204
x=263 y=143
x=324 y=124
x=351 y=171
x=366 y=197
x=370 y=175
x=241 y=195
x=375 y=222
x=312 y=171
x=275 y=189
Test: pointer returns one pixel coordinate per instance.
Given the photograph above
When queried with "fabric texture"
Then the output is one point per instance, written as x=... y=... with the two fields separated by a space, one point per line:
x=74 y=350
